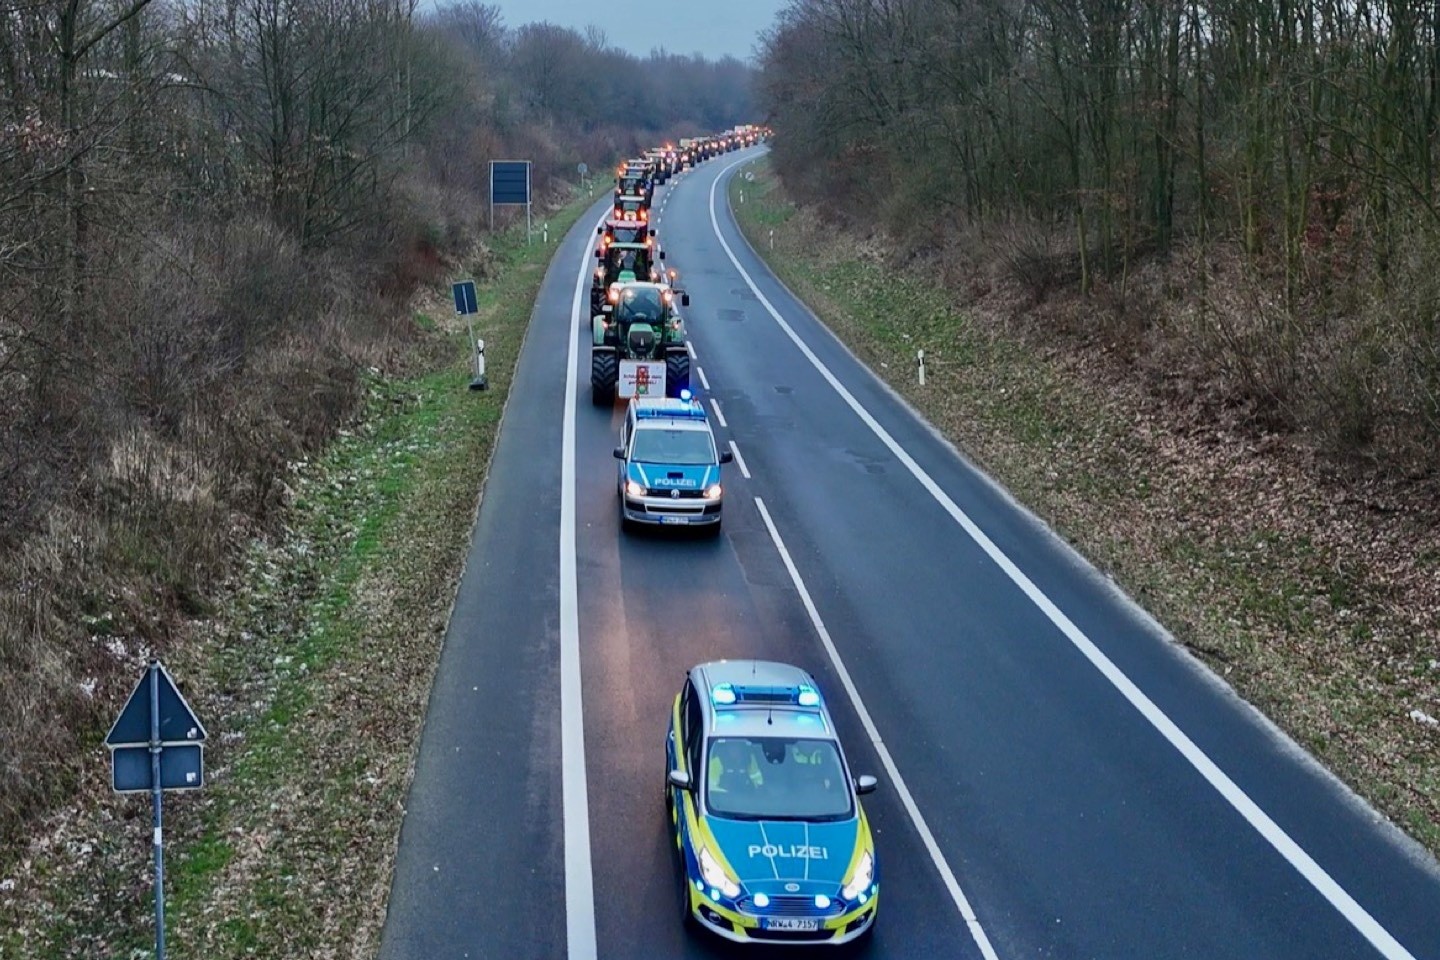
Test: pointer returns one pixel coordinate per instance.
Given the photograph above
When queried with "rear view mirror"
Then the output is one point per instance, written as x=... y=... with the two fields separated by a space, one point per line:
x=865 y=784
x=619 y=453
x=726 y=456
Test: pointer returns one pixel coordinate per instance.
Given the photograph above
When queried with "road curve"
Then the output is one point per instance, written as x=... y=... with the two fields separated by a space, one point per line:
x=1039 y=812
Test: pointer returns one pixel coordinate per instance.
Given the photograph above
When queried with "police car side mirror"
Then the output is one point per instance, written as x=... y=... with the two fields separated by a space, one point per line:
x=726 y=456
x=619 y=453
x=681 y=779
x=865 y=784
x=684 y=299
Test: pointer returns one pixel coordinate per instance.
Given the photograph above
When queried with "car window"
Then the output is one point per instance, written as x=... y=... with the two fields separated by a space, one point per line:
x=679 y=447
x=775 y=778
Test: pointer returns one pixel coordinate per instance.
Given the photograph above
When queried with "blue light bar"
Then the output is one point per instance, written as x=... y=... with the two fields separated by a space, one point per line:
x=809 y=696
x=723 y=695
x=670 y=409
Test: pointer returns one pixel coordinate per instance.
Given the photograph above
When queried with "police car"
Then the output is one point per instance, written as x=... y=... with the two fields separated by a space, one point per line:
x=772 y=840
x=669 y=465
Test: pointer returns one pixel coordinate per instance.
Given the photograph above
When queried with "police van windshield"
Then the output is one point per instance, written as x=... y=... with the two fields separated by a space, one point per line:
x=680 y=447
x=771 y=778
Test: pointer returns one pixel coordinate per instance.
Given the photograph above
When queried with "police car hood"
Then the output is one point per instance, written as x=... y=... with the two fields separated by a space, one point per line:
x=766 y=855
x=664 y=476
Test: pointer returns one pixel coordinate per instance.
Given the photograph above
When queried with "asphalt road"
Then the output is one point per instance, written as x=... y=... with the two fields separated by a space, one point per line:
x=1057 y=778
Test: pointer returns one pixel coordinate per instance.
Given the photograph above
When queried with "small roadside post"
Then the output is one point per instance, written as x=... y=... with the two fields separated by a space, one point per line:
x=466 y=306
x=156 y=744
x=920 y=365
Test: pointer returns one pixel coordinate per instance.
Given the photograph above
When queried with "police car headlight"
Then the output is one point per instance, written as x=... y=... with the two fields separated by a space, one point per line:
x=864 y=873
x=715 y=876
x=713 y=492
x=633 y=489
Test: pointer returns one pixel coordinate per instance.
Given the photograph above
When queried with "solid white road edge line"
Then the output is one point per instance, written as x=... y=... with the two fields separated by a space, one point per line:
x=580 y=942
x=1304 y=864
x=715 y=404
x=962 y=903
x=704 y=381
x=739 y=461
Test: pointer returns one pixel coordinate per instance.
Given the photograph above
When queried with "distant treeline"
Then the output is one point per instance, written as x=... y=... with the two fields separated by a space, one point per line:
x=212 y=216
x=1282 y=158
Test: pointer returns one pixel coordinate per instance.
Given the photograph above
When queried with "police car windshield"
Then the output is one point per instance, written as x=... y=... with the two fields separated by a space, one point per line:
x=772 y=778
x=679 y=447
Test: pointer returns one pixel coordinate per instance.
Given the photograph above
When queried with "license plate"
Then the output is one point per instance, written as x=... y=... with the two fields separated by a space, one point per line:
x=674 y=520
x=791 y=923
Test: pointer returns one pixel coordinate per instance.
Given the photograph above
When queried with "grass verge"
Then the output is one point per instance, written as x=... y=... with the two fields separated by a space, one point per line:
x=1319 y=606
x=312 y=677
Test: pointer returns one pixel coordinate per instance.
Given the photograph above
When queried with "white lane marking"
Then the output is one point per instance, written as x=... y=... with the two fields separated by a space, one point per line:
x=690 y=349
x=715 y=404
x=1272 y=832
x=704 y=382
x=947 y=876
x=580 y=938
x=739 y=461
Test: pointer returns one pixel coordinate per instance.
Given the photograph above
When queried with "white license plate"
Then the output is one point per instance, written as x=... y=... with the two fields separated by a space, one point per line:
x=674 y=520
x=791 y=923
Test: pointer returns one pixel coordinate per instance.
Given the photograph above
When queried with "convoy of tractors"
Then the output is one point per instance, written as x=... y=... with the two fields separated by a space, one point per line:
x=639 y=337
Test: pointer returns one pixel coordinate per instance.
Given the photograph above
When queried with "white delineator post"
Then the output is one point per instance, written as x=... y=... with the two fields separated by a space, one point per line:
x=920 y=365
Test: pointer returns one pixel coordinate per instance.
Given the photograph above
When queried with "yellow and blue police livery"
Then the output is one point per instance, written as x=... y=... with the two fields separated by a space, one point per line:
x=669 y=464
x=772 y=841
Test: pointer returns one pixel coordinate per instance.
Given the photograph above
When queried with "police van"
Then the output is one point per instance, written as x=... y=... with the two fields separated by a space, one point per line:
x=772 y=842
x=669 y=464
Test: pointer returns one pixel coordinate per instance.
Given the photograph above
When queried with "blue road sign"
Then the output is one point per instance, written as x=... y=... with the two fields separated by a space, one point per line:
x=182 y=767
x=509 y=181
x=178 y=723
x=464 y=297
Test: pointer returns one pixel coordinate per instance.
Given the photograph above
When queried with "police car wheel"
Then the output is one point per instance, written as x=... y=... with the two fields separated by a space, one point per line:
x=687 y=916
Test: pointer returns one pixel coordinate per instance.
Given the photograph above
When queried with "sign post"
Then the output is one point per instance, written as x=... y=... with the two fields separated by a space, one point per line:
x=465 y=306
x=510 y=184
x=156 y=744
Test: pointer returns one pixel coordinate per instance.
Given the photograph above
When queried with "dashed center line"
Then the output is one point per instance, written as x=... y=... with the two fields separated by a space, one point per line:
x=739 y=461
x=718 y=415
x=691 y=348
x=704 y=381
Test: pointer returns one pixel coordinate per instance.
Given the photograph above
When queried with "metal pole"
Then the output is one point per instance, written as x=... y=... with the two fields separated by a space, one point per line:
x=155 y=796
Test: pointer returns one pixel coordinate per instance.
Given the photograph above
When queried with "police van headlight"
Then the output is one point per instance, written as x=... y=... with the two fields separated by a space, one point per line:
x=715 y=876
x=633 y=489
x=713 y=492
x=860 y=881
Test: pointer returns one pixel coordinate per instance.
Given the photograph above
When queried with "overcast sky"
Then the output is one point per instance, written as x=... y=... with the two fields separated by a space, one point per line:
x=710 y=27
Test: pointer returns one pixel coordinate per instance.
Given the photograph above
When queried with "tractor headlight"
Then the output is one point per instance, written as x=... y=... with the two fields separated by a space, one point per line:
x=633 y=489
x=713 y=492
x=715 y=876
x=860 y=881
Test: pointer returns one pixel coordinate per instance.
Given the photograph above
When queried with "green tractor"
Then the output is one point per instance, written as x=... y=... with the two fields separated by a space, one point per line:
x=639 y=347
x=622 y=263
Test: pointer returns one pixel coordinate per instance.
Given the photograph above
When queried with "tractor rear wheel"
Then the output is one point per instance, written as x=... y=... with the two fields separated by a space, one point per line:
x=677 y=373
x=604 y=373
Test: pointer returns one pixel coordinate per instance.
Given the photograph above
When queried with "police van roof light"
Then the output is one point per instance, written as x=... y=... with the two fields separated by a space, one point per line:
x=808 y=697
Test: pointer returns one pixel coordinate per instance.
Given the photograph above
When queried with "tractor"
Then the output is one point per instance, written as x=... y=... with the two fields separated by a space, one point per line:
x=639 y=346
x=621 y=263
